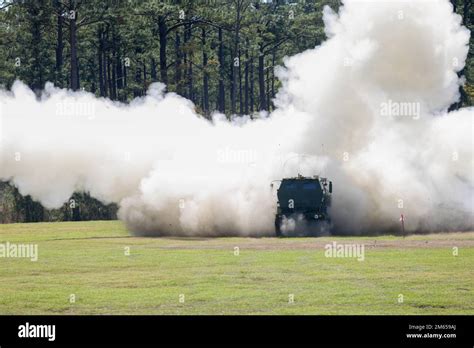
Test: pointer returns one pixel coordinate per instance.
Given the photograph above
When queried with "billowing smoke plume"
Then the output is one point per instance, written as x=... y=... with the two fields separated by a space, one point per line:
x=367 y=109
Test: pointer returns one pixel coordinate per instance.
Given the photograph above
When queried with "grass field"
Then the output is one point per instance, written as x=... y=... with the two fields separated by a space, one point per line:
x=88 y=259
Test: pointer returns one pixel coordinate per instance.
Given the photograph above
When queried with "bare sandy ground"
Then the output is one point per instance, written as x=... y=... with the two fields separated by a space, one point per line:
x=437 y=240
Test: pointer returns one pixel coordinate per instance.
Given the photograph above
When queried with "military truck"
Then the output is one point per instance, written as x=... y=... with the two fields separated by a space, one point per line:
x=306 y=198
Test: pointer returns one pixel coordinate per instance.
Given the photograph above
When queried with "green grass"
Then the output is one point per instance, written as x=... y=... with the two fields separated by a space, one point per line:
x=88 y=259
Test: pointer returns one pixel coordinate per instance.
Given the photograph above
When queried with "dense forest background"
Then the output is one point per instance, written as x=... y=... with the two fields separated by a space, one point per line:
x=220 y=54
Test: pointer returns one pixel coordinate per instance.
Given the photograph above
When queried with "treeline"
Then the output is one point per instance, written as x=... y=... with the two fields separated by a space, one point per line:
x=17 y=208
x=220 y=54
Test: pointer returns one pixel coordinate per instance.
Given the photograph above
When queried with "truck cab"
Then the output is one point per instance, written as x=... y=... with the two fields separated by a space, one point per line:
x=307 y=198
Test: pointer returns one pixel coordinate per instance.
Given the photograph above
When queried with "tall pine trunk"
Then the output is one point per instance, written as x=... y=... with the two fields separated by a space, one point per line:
x=205 y=75
x=241 y=103
x=59 y=46
x=74 y=64
x=190 y=68
x=252 y=87
x=232 y=86
x=268 y=88
x=273 y=72
x=261 y=82
x=100 y=54
x=114 y=65
x=178 y=62
x=246 y=83
x=163 y=34
x=154 y=76
x=221 y=95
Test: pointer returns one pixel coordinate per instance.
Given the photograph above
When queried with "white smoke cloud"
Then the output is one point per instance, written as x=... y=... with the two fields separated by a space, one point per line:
x=367 y=108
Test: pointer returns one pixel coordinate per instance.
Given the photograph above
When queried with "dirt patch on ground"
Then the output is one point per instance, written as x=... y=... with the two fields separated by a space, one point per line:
x=460 y=240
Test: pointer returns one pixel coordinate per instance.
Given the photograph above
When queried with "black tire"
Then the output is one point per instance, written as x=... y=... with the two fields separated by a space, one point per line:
x=278 y=226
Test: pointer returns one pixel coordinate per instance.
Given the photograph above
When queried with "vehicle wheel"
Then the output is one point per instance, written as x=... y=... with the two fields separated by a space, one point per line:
x=278 y=226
